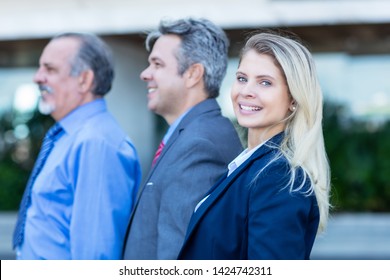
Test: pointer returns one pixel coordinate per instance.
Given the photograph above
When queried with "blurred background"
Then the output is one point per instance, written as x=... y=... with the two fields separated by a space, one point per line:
x=350 y=40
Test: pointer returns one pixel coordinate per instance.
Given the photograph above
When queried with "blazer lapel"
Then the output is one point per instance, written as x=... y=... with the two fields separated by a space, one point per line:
x=168 y=145
x=224 y=183
x=173 y=138
x=216 y=191
x=199 y=109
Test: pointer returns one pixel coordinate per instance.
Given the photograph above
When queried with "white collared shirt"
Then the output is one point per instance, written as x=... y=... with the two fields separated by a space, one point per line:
x=241 y=158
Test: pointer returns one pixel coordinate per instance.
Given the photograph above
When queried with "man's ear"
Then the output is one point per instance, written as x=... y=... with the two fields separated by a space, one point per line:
x=86 y=81
x=194 y=74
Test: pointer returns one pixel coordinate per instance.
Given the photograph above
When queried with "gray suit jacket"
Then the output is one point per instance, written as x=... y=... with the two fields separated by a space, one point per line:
x=194 y=158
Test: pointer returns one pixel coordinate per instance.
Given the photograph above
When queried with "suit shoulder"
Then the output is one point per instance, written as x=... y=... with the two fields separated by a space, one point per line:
x=213 y=123
x=276 y=173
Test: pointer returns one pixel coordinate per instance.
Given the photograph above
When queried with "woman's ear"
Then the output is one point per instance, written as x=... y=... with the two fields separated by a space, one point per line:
x=194 y=74
x=293 y=106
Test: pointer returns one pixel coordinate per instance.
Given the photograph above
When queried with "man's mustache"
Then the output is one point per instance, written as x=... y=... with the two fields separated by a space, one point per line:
x=45 y=89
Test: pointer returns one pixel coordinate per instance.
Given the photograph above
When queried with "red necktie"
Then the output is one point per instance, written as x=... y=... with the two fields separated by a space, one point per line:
x=158 y=152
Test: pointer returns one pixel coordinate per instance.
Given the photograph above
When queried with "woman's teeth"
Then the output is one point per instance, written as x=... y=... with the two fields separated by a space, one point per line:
x=250 y=108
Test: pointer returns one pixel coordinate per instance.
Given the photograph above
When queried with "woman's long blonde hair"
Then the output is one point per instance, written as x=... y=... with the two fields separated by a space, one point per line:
x=303 y=143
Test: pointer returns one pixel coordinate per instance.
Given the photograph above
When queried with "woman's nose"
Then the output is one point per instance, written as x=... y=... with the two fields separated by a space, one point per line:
x=247 y=91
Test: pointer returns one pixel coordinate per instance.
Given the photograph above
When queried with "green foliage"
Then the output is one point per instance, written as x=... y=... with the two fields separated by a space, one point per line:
x=17 y=156
x=359 y=155
x=12 y=183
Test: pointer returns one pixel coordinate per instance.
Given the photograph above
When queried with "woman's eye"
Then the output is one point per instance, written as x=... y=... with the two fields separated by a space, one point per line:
x=265 y=83
x=241 y=79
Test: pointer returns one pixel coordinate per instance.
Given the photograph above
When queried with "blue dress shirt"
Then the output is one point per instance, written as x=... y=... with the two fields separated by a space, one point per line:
x=82 y=199
x=173 y=126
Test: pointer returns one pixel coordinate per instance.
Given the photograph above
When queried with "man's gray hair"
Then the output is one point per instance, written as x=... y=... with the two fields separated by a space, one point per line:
x=95 y=55
x=201 y=42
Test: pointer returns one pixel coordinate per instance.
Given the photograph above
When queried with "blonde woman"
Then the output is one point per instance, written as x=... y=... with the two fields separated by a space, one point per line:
x=274 y=198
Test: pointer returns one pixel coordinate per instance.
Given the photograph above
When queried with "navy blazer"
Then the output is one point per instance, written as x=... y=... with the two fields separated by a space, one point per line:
x=254 y=218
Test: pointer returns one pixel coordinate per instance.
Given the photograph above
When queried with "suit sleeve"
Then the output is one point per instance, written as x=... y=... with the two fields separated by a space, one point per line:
x=277 y=219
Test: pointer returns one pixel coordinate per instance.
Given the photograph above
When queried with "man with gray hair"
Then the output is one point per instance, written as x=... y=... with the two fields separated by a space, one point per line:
x=87 y=174
x=187 y=63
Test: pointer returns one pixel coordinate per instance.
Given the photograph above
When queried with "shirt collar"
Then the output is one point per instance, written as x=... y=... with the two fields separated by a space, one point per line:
x=75 y=119
x=173 y=126
x=241 y=158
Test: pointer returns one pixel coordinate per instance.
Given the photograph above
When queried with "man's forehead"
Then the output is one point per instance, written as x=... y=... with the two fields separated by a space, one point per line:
x=59 y=50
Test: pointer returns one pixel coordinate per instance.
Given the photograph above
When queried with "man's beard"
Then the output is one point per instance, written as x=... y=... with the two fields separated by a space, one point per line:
x=45 y=107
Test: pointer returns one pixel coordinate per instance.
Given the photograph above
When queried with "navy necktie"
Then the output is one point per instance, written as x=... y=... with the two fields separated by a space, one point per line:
x=47 y=145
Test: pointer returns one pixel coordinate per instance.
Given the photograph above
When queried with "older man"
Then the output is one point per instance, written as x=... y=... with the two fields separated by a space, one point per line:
x=87 y=174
